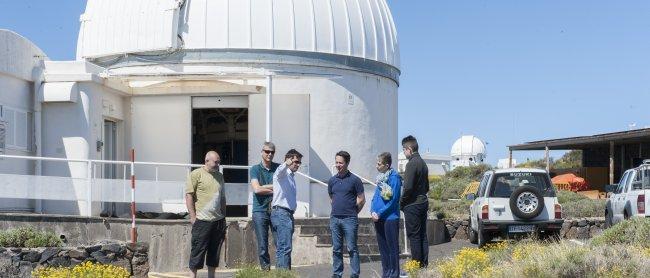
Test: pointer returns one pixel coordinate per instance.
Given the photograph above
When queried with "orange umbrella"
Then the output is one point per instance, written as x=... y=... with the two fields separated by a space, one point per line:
x=576 y=183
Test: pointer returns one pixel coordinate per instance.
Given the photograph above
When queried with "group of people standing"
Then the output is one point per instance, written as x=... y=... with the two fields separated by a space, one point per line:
x=274 y=203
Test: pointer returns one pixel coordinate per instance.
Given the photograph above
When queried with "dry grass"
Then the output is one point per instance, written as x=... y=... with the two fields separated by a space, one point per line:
x=622 y=251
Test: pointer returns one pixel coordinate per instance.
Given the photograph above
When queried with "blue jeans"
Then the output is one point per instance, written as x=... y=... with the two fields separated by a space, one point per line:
x=388 y=241
x=345 y=227
x=262 y=223
x=282 y=228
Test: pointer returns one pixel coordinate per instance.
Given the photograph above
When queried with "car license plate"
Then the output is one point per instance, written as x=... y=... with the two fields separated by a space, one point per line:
x=521 y=228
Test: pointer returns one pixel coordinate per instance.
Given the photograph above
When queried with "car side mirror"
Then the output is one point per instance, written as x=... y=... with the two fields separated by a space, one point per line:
x=470 y=196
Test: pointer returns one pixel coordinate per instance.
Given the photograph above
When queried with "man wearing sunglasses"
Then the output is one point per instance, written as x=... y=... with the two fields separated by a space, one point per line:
x=262 y=184
x=283 y=206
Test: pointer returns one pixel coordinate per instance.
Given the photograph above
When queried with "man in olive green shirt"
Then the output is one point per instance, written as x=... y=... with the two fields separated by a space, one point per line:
x=205 y=198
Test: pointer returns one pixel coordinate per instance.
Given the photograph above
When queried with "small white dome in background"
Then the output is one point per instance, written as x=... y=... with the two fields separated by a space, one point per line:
x=468 y=145
x=467 y=151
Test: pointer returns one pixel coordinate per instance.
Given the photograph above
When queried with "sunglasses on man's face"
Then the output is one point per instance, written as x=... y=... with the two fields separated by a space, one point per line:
x=297 y=162
x=268 y=152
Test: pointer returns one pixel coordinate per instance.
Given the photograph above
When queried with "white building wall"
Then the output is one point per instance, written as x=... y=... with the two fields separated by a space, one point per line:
x=353 y=112
x=16 y=96
x=161 y=131
x=18 y=61
x=71 y=130
x=68 y=133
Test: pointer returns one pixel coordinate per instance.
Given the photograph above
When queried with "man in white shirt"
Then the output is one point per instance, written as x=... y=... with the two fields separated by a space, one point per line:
x=283 y=207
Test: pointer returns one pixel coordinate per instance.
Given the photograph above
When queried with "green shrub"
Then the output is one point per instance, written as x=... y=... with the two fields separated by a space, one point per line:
x=256 y=272
x=473 y=173
x=447 y=188
x=584 y=208
x=635 y=231
x=575 y=205
x=28 y=237
x=450 y=209
x=564 y=196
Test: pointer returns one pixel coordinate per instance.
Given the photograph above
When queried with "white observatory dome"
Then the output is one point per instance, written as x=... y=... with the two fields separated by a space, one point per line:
x=363 y=29
x=468 y=145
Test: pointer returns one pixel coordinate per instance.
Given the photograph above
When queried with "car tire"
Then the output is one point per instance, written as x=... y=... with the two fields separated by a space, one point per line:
x=482 y=239
x=526 y=202
x=473 y=236
x=609 y=219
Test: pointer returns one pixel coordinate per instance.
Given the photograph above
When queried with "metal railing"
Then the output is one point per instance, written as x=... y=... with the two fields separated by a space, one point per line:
x=129 y=175
x=92 y=171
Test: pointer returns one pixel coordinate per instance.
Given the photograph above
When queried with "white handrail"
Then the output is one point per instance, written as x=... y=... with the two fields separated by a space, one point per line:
x=364 y=179
x=333 y=168
x=312 y=179
x=118 y=162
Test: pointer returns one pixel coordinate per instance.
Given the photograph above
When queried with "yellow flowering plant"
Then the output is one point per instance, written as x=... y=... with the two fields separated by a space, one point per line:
x=411 y=267
x=467 y=262
x=84 y=270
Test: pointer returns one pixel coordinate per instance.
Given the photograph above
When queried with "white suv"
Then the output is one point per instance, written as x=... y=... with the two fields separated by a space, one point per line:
x=631 y=196
x=512 y=202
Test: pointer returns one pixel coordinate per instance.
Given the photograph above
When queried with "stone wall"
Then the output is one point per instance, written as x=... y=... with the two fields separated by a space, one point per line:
x=167 y=237
x=19 y=262
x=585 y=228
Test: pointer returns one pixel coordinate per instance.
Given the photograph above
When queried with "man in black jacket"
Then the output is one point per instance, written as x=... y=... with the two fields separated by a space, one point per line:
x=414 y=202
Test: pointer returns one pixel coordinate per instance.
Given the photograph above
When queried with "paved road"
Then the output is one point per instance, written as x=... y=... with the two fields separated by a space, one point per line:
x=372 y=269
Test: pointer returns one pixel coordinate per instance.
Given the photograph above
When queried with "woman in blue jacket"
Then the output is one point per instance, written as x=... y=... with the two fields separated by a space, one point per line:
x=385 y=213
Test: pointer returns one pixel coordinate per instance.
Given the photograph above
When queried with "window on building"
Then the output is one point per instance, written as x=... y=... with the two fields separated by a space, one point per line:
x=17 y=128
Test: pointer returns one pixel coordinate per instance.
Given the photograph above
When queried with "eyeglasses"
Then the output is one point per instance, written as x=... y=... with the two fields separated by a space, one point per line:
x=268 y=152
x=297 y=162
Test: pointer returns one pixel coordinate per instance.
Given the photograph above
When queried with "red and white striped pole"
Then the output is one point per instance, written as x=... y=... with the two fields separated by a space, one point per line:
x=134 y=231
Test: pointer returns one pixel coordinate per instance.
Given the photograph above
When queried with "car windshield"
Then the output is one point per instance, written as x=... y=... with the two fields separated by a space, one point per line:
x=503 y=184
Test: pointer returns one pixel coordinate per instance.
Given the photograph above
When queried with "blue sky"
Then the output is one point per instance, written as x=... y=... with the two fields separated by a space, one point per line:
x=505 y=71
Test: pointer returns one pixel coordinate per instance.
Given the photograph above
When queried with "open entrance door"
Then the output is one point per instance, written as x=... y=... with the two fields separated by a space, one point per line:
x=221 y=124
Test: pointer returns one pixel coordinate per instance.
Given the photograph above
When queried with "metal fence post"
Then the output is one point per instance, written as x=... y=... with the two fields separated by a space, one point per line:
x=134 y=230
x=89 y=188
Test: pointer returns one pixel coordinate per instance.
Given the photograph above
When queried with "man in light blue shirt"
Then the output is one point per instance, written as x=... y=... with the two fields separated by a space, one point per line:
x=283 y=207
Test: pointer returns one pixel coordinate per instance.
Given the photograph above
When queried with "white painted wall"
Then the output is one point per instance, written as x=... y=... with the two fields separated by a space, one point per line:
x=16 y=94
x=354 y=112
x=71 y=130
x=18 y=59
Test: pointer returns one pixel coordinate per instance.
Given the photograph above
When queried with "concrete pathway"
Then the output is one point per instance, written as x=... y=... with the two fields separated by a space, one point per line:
x=372 y=269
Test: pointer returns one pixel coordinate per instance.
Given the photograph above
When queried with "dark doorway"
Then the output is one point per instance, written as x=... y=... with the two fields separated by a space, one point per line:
x=224 y=130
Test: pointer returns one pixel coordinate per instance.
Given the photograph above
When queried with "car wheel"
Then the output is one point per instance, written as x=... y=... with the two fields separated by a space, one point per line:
x=482 y=238
x=473 y=237
x=526 y=202
x=609 y=218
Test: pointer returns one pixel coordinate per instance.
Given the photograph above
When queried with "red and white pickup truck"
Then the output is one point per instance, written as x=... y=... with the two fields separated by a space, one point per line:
x=631 y=198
